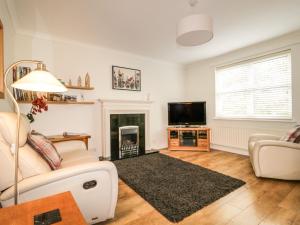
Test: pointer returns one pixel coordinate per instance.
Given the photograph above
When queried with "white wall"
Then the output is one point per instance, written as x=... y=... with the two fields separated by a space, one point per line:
x=8 y=45
x=67 y=60
x=232 y=135
x=164 y=81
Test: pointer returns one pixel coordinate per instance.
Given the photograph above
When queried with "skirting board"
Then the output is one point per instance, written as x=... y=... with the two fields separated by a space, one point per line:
x=213 y=146
x=221 y=148
x=230 y=149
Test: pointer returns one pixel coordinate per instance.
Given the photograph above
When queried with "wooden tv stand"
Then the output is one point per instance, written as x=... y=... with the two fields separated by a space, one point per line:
x=189 y=138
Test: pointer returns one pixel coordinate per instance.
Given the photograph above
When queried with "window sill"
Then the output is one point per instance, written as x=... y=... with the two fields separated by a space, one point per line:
x=257 y=119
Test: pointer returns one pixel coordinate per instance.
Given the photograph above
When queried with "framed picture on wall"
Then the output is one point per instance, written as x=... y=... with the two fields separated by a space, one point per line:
x=126 y=78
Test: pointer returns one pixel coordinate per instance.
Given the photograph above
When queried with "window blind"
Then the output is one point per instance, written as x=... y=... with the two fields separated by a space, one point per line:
x=257 y=88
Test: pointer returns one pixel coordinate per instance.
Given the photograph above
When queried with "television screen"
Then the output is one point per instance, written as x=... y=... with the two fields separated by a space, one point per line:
x=187 y=113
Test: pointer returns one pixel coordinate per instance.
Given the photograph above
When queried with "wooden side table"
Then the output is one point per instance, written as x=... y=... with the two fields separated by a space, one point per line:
x=23 y=214
x=81 y=137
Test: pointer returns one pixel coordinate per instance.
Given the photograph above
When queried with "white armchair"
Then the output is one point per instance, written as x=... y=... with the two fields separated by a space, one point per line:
x=270 y=157
x=93 y=184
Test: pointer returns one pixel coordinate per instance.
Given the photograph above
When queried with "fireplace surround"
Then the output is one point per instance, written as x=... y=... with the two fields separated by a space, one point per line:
x=128 y=107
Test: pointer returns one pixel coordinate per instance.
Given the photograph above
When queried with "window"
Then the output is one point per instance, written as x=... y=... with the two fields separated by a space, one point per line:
x=258 y=88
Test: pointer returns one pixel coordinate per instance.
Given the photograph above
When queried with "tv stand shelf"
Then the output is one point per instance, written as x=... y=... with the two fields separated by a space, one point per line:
x=189 y=138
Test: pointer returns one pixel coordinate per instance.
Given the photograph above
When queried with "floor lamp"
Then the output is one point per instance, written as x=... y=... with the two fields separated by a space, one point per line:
x=39 y=80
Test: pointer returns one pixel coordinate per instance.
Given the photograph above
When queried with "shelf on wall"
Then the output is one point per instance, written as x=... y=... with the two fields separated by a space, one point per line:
x=62 y=102
x=77 y=87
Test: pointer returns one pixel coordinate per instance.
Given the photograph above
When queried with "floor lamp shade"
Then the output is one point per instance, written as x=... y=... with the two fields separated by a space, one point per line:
x=40 y=81
x=194 y=30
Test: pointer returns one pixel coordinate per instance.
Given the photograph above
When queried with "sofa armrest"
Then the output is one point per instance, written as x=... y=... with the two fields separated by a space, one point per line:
x=60 y=174
x=258 y=137
x=68 y=146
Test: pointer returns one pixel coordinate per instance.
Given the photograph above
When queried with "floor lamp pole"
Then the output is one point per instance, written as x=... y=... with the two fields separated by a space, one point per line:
x=15 y=147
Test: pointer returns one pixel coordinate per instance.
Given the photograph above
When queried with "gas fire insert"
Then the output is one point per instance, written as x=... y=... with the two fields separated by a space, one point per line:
x=128 y=141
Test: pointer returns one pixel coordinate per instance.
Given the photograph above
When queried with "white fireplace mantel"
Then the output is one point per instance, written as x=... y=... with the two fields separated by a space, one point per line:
x=114 y=106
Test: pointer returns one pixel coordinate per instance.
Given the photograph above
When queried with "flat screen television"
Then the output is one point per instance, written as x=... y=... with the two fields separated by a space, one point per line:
x=187 y=113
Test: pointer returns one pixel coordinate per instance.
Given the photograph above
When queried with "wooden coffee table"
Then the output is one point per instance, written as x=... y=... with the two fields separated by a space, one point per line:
x=24 y=213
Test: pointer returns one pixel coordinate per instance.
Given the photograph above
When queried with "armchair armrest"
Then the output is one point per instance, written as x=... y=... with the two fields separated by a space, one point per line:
x=68 y=146
x=60 y=174
x=258 y=137
x=276 y=159
x=283 y=144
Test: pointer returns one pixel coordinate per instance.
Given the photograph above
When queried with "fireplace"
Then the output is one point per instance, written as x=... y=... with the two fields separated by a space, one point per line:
x=127 y=134
x=128 y=141
x=137 y=110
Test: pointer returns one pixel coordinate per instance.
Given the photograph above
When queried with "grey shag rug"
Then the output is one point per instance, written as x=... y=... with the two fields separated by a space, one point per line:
x=175 y=188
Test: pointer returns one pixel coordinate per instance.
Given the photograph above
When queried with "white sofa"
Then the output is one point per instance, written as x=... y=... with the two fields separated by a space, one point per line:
x=270 y=157
x=37 y=180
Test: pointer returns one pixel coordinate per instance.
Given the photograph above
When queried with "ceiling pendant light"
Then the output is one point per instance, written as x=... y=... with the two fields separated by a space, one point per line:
x=194 y=29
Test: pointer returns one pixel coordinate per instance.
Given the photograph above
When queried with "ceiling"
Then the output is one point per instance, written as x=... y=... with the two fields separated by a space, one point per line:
x=148 y=27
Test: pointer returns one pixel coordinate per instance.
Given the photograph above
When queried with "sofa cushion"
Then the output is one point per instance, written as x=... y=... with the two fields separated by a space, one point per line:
x=69 y=146
x=292 y=135
x=45 y=148
x=7 y=166
x=31 y=163
x=8 y=128
x=77 y=157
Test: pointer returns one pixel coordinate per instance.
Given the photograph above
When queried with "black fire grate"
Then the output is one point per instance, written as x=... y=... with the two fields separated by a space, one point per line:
x=128 y=151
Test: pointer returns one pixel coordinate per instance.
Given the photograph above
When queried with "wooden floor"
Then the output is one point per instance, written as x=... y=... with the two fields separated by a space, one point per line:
x=260 y=201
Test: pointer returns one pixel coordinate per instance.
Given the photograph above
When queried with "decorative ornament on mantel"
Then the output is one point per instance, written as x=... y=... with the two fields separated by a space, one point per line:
x=195 y=29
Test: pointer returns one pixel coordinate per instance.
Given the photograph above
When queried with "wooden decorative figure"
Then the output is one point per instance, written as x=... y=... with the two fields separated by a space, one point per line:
x=87 y=80
x=79 y=81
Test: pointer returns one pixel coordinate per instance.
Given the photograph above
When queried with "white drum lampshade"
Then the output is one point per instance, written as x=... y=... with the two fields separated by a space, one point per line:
x=194 y=30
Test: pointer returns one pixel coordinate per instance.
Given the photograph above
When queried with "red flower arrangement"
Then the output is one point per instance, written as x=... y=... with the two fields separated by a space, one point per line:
x=38 y=105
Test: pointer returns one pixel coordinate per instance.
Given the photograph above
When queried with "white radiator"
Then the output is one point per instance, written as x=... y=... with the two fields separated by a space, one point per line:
x=237 y=137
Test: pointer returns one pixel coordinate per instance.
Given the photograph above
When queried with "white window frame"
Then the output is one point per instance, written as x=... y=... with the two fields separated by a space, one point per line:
x=248 y=61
